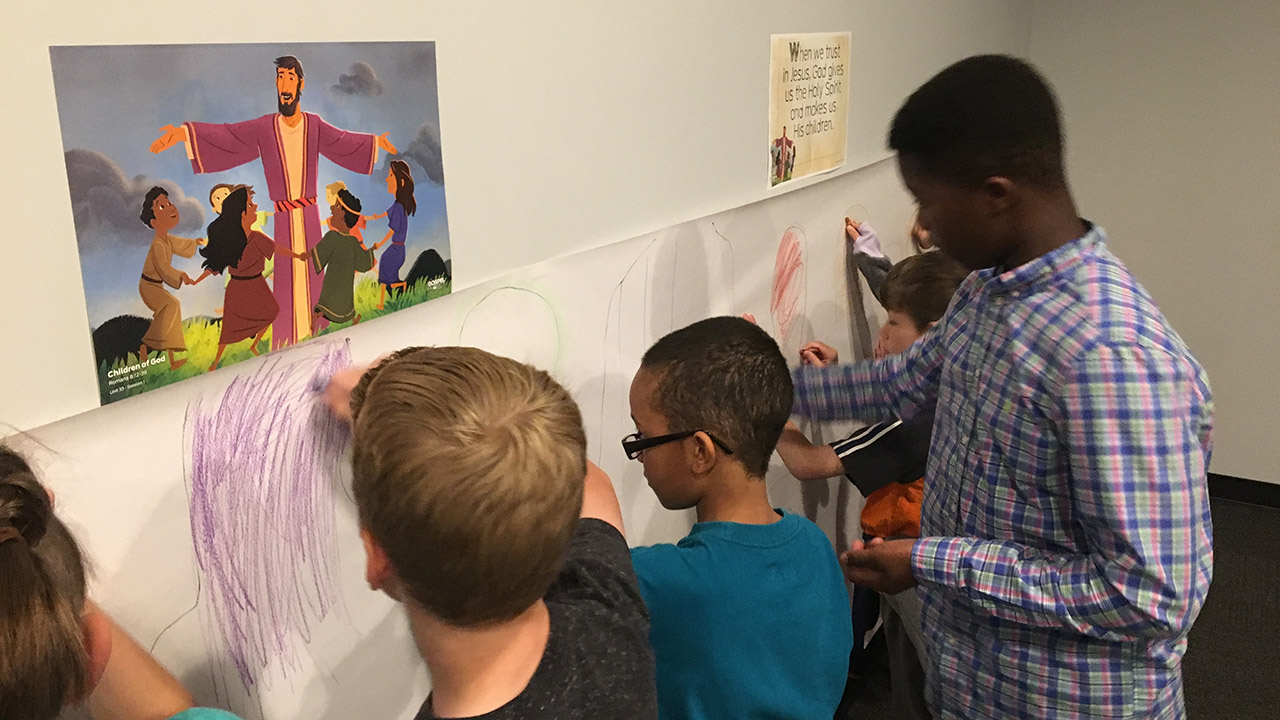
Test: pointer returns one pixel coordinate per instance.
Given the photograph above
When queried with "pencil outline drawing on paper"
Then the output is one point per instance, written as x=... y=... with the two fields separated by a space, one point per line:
x=516 y=322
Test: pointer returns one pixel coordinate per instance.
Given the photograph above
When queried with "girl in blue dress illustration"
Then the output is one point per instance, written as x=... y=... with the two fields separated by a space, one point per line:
x=400 y=185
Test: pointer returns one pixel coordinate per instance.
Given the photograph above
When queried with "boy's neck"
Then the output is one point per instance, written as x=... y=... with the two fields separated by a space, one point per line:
x=735 y=496
x=1049 y=223
x=478 y=670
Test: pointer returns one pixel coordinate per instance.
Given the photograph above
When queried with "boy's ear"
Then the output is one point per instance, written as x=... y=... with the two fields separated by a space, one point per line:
x=377 y=567
x=1000 y=193
x=702 y=453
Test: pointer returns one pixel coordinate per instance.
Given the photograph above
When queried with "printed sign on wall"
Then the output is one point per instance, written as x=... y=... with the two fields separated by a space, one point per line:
x=808 y=104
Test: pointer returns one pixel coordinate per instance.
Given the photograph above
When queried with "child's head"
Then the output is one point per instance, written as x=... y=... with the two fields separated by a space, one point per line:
x=400 y=184
x=158 y=212
x=217 y=194
x=331 y=191
x=722 y=381
x=468 y=478
x=227 y=238
x=974 y=144
x=46 y=660
x=345 y=211
x=915 y=294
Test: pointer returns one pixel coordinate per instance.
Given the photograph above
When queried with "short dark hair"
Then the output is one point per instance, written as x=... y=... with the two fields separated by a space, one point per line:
x=921 y=286
x=353 y=203
x=726 y=376
x=289 y=62
x=985 y=116
x=148 y=212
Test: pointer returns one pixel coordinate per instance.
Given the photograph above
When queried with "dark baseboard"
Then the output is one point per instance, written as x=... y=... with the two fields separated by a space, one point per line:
x=1254 y=492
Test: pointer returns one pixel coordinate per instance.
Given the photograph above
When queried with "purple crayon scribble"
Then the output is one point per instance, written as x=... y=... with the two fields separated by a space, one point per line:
x=263 y=456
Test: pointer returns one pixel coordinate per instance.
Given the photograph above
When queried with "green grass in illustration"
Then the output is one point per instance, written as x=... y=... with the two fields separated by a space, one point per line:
x=201 y=335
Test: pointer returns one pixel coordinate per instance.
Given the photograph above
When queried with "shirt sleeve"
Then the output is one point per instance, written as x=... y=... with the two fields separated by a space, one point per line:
x=183 y=247
x=884 y=453
x=204 y=714
x=902 y=385
x=397 y=220
x=598 y=571
x=363 y=256
x=161 y=261
x=874 y=269
x=354 y=151
x=265 y=245
x=1136 y=425
x=323 y=251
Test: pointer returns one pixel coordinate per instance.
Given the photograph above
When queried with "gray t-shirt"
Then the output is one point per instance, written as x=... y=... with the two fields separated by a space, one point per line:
x=598 y=663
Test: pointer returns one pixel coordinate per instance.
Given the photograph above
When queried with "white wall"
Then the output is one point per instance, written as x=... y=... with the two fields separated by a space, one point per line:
x=564 y=126
x=1173 y=145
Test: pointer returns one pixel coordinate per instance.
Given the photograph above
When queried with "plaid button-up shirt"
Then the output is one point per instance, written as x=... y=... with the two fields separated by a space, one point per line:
x=1066 y=541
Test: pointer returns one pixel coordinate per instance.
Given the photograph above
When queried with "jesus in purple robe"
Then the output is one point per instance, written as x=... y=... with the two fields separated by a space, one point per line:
x=289 y=143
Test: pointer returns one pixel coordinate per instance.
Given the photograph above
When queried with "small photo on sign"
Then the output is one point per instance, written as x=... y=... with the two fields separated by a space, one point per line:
x=808 y=104
x=234 y=200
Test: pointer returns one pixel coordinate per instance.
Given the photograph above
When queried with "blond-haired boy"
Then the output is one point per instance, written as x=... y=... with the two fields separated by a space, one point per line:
x=469 y=481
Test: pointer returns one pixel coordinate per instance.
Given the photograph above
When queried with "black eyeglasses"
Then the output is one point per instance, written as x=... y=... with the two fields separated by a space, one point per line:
x=635 y=443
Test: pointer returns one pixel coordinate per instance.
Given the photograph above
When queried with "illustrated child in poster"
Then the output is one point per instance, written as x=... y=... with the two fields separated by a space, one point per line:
x=236 y=248
x=400 y=185
x=339 y=256
x=165 y=332
x=331 y=197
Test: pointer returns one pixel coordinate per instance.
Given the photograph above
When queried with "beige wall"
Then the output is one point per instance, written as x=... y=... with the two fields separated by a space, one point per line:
x=1173 y=145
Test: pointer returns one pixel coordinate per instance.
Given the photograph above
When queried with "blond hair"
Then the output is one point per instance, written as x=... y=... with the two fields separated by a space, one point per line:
x=468 y=472
x=331 y=191
x=43 y=660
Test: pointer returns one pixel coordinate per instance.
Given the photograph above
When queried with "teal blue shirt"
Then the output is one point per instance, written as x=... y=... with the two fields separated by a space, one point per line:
x=204 y=714
x=747 y=621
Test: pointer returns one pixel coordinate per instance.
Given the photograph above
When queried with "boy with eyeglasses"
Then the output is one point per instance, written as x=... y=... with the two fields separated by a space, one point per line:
x=749 y=611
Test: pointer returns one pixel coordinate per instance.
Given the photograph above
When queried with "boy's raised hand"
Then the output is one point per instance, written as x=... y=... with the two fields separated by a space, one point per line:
x=818 y=354
x=851 y=229
x=864 y=238
x=882 y=565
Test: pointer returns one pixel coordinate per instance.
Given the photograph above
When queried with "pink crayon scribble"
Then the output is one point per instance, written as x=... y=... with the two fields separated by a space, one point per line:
x=262 y=510
x=788 y=279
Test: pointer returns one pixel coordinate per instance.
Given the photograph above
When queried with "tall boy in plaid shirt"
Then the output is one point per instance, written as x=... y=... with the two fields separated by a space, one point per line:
x=1066 y=545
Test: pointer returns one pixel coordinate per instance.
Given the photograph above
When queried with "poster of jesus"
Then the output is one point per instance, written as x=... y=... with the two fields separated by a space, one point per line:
x=282 y=120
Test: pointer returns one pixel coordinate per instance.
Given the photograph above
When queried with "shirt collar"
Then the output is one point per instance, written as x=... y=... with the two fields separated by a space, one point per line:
x=1043 y=269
